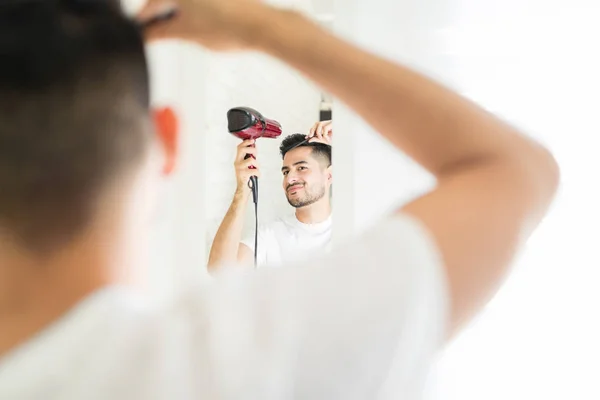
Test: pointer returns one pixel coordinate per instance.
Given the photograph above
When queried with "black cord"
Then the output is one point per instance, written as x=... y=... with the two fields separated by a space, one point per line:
x=253 y=184
x=256 y=234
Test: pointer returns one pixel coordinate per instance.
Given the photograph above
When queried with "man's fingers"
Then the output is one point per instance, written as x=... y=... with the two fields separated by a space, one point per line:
x=318 y=129
x=249 y=162
x=245 y=169
x=247 y=150
x=254 y=172
x=320 y=132
x=156 y=11
x=326 y=128
x=246 y=147
x=156 y=17
x=246 y=143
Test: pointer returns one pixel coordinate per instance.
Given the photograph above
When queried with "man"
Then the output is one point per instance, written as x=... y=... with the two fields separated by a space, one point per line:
x=80 y=166
x=307 y=182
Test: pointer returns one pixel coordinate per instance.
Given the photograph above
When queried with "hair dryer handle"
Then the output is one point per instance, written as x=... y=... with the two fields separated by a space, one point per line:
x=253 y=184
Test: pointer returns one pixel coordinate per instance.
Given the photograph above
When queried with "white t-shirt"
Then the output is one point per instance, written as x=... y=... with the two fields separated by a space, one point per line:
x=363 y=322
x=287 y=240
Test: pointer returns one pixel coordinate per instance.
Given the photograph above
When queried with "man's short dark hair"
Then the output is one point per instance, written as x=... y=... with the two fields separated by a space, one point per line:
x=320 y=151
x=73 y=113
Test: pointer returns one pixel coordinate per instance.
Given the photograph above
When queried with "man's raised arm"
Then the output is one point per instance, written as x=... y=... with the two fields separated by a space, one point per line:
x=494 y=184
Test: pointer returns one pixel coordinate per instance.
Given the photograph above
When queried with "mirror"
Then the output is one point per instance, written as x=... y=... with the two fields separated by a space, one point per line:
x=203 y=86
x=294 y=209
x=294 y=204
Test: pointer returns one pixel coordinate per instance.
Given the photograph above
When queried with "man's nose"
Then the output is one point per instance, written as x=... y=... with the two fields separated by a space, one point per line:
x=291 y=178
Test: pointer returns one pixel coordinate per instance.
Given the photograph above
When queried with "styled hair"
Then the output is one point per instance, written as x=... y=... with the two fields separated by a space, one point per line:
x=74 y=113
x=320 y=151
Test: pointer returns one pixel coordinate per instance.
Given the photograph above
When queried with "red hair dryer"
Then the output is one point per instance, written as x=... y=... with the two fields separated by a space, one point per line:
x=247 y=123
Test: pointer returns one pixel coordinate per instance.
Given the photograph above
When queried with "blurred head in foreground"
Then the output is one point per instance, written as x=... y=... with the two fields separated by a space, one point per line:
x=81 y=153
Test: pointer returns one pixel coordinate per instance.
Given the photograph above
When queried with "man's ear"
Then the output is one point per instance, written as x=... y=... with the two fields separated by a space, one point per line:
x=167 y=130
x=329 y=173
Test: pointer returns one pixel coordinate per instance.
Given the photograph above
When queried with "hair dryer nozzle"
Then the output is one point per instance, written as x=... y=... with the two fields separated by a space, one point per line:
x=247 y=123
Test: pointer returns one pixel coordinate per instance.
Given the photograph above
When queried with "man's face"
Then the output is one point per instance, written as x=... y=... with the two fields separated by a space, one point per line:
x=305 y=179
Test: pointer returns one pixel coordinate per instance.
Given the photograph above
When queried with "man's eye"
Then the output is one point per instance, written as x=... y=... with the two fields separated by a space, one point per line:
x=285 y=173
x=301 y=168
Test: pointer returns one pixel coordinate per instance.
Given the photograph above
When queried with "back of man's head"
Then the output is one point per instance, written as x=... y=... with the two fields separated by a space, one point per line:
x=73 y=113
x=320 y=151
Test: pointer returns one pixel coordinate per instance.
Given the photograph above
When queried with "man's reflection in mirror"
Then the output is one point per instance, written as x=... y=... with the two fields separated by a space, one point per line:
x=306 y=182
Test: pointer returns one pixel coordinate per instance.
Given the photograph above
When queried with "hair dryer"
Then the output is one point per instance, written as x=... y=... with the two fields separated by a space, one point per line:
x=247 y=123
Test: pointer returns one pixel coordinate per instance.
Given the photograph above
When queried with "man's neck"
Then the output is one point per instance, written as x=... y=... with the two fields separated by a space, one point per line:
x=315 y=213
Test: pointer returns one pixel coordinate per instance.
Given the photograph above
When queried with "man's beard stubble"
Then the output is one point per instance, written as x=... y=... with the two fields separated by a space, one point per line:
x=310 y=197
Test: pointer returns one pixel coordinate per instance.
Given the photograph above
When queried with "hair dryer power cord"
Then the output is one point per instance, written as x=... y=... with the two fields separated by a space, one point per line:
x=253 y=184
